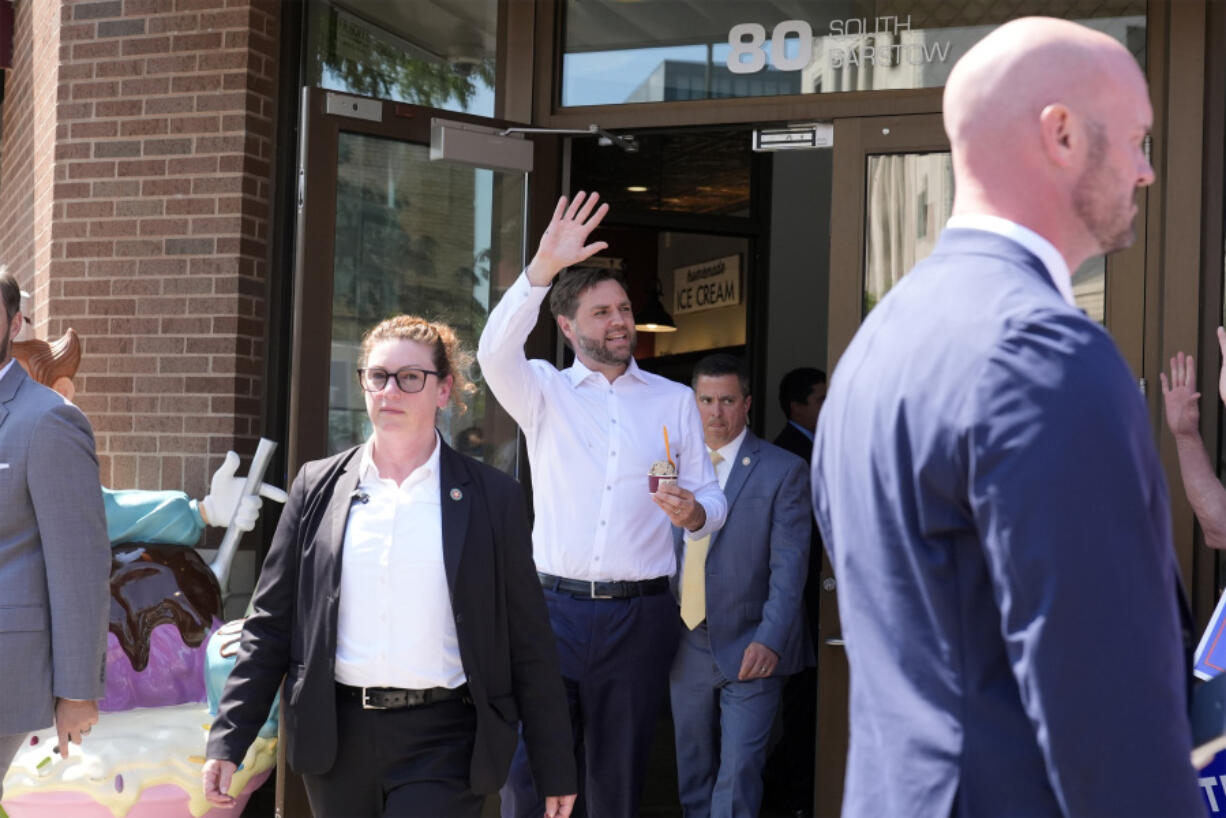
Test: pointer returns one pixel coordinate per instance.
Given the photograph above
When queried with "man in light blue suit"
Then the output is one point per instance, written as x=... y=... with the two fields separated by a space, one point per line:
x=985 y=479
x=742 y=603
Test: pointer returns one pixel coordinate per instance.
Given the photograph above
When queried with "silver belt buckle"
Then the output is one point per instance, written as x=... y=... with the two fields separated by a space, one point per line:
x=366 y=705
x=592 y=588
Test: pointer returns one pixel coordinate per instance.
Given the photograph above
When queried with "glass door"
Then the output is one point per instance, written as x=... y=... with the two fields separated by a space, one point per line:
x=893 y=191
x=390 y=224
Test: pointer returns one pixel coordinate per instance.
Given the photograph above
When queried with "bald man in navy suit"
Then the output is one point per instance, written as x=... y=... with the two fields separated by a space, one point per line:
x=985 y=478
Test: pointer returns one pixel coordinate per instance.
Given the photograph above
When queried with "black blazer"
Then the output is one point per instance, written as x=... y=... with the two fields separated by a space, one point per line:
x=795 y=442
x=506 y=644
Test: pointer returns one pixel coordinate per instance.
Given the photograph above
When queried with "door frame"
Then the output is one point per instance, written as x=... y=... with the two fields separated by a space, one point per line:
x=315 y=242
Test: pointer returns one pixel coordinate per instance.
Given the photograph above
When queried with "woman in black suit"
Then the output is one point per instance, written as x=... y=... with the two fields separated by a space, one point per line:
x=400 y=604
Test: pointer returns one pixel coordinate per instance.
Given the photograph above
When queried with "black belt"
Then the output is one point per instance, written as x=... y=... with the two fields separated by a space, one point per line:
x=589 y=589
x=397 y=698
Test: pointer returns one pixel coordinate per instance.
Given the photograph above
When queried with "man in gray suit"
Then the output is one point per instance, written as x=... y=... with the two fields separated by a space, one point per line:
x=55 y=559
x=741 y=593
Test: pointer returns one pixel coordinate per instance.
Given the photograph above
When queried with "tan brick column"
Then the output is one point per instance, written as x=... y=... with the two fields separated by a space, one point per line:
x=156 y=227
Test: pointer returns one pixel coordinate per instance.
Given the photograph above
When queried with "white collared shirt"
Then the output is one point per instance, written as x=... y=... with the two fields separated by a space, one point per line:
x=1047 y=253
x=395 y=626
x=4 y=370
x=591 y=444
x=728 y=452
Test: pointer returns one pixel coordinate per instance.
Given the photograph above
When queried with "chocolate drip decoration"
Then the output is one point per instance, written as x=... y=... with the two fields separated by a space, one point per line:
x=152 y=584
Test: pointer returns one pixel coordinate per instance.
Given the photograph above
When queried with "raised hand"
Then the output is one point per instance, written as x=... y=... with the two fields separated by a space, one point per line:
x=1180 y=396
x=565 y=240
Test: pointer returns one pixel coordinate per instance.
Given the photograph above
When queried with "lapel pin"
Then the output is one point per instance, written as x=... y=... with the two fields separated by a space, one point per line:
x=744 y=461
x=456 y=494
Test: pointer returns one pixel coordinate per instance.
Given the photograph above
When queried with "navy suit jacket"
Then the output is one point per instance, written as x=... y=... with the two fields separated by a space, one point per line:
x=756 y=563
x=986 y=483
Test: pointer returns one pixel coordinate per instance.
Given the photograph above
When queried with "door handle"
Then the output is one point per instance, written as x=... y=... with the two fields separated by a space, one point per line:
x=835 y=642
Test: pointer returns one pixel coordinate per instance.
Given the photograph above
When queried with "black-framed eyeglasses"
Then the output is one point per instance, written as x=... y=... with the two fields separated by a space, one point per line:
x=410 y=379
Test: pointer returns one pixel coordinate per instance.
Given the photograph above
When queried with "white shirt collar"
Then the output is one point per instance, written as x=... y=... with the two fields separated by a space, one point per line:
x=367 y=470
x=578 y=372
x=4 y=370
x=1056 y=266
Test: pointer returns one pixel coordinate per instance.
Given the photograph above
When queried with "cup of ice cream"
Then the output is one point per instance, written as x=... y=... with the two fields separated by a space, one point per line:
x=661 y=472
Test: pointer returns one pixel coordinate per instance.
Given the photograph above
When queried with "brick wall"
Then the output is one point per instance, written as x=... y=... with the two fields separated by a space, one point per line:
x=158 y=224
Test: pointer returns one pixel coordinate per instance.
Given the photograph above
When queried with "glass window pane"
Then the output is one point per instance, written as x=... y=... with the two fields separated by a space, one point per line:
x=668 y=50
x=1090 y=288
x=908 y=199
x=425 y=238
x=438 y=54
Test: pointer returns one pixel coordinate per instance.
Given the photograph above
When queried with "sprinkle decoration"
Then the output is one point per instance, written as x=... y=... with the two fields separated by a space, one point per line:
x=119 y=783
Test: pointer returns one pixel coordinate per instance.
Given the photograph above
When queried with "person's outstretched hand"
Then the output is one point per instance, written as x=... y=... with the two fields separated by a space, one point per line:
x=565 y=240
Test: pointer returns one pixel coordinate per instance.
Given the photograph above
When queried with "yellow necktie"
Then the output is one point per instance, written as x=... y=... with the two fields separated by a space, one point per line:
x=694 y=575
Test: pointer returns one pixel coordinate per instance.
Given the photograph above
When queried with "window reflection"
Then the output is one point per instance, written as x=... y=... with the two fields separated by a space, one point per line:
x=667 y=50
x=427 y=238
x=909 y=197
x=426 y=52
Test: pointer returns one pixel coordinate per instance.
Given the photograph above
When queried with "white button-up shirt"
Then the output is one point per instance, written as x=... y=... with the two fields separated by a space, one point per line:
x=1047 y=253
x=395 y=626
x=4 y=369
x=591 y=444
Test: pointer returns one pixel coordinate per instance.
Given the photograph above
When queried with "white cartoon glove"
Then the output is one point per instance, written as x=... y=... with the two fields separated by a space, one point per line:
x=226 y=498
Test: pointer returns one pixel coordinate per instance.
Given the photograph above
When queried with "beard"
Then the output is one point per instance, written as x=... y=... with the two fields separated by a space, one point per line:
x=1108 y=222
x=598 y=349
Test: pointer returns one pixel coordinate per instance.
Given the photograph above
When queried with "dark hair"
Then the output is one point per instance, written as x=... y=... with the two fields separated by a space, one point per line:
x=450 y=357
x=10 y=293
x=720 y=364
x=574 y=282
x=796 y=386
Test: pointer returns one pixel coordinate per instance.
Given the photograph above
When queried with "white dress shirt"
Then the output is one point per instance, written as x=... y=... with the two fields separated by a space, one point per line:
x=4 y=370
x=728 y=452
x=1056 y=266
x=395 y=626
x=591 y=444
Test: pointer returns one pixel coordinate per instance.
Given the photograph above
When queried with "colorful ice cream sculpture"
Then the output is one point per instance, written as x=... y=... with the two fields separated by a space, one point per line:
x=164 y=675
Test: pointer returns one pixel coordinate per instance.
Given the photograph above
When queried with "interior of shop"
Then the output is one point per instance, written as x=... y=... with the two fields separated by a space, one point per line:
x=732 y=245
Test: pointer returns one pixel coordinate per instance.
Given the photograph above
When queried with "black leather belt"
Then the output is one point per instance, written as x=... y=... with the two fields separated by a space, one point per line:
x=588 y=589
x=398 y=698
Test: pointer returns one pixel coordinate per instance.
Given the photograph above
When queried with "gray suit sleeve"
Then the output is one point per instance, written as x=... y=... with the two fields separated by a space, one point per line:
x=789 y=555
x=67 y=498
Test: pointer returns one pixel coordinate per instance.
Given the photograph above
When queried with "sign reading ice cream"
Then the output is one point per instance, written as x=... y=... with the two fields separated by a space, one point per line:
x=707 y=286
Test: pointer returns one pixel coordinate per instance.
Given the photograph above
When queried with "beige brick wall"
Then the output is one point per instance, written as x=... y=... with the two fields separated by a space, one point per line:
x=152 y=242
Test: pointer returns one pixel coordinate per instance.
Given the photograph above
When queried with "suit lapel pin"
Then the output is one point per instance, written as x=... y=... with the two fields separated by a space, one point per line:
x=744 y=461
x=456 y=494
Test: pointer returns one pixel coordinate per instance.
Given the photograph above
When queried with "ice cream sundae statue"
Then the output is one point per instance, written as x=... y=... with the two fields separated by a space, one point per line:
x=168 y=649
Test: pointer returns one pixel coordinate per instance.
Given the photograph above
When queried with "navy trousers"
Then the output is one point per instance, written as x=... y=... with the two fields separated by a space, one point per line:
x=722 y=727
x=615 y=655
x=409 y=763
